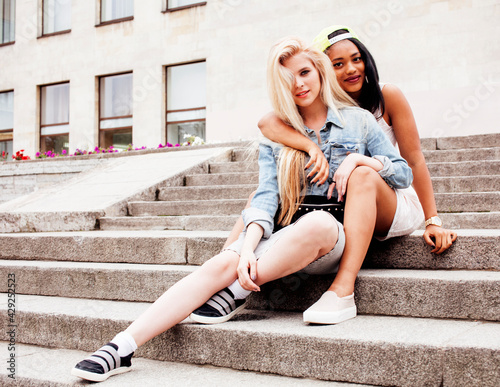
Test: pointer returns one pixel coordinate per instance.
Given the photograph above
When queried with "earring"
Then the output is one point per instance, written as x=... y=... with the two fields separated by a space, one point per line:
x=366 y=79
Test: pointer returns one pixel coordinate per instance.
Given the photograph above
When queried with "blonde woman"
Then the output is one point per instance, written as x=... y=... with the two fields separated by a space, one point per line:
x=357 y=152
x=304 y=93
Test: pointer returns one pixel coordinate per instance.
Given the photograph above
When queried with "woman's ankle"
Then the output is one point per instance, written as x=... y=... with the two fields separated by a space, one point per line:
x=341 y=290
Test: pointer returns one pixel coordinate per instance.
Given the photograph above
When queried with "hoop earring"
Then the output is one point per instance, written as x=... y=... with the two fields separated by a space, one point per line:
x=366 y=79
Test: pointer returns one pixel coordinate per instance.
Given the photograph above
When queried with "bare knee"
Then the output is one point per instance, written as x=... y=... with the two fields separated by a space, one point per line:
x=363 y=175
x=320 y=228
x=223 y=263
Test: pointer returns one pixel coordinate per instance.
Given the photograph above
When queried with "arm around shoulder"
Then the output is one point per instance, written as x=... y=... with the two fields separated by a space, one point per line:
x=276 y=130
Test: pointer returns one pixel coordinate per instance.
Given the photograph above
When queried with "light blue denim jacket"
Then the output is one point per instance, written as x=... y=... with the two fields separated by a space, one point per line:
x=359 y=132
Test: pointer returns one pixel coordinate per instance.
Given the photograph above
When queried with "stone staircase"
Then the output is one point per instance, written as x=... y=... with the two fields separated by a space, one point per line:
x=423 y=319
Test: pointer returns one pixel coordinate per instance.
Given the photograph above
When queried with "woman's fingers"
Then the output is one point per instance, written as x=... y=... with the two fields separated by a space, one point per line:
x=440 y=239
x=247 y=269
x=330 y=191
x=321 y=169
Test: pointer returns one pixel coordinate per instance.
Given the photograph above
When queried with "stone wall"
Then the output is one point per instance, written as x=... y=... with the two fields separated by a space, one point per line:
x=21 y=178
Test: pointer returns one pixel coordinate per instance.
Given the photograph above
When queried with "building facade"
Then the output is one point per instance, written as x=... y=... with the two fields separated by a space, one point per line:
x=80 y=74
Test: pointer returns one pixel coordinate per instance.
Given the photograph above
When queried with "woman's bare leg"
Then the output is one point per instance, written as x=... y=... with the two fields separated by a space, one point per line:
x=370 y=208
x=313 y=236
x=185 y=296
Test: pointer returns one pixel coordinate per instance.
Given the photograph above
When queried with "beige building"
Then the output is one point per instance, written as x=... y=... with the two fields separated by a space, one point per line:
x=79 y=74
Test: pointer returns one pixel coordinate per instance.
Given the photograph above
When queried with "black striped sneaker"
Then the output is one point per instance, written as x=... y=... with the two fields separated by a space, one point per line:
x=102 y=364
x=220 y=308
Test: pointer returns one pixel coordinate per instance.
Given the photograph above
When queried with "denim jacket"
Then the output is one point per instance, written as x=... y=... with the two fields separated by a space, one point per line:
x=358 y=132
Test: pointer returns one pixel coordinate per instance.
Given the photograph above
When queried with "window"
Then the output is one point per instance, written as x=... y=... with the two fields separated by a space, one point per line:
x=178 y=4
x=54 y=118
x=115 y=117
x=6 y=123
x=56 y=16
x=186 y=101
x=7 y=15
x=112 y=10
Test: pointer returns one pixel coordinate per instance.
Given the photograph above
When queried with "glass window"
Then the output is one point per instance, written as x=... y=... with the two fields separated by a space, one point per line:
x=6 y=124
x=116 y=107
x=186 y=101
x=56 y=16
x=172 y=4
x=116 y=9
x=7 y=15
x=54 y=118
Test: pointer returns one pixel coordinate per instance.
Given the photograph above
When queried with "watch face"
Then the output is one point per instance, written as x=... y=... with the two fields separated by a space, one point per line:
x=437 y=221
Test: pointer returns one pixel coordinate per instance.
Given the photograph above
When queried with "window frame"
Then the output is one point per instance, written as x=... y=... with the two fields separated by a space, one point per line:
x=8 y=130
x=44 y=34
x=2 y=44
x=41 y=126
x=167 y=9
x=167 y=122
x=100 y=118
x=113 y=21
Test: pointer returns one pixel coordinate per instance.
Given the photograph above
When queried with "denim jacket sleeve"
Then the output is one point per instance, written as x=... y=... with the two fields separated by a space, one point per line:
x=396 y=171
x=265 y=202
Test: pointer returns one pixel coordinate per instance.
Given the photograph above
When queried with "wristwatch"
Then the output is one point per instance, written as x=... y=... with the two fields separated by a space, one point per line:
x=435 y=220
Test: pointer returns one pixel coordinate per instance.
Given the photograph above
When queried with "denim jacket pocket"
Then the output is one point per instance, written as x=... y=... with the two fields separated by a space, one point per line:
x=338 y=152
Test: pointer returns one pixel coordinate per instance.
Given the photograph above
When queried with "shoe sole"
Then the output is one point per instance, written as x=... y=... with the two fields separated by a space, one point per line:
x=93 y=377
x=311 y=317
x=217 y=320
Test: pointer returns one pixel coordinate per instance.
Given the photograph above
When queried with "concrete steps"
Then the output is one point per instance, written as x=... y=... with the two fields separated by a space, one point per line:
x=459 y=294
x=459 y=168
x=465 y=220
x=468 y=202
x=233 y=167
x=206 y=192
x=480 y=183
x=216 y=179
x=477 y=250
x=188 y=223
x=377 y=350
x=187 y=207
x=456 y=155
x=485 y=183
x=476 y=220
x=465 y=168
x=36 y=360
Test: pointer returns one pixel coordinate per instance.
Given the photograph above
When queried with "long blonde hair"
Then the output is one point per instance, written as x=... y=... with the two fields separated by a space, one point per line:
x=291 y=173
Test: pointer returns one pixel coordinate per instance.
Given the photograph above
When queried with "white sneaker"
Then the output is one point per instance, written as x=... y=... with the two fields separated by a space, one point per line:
x=331 y=309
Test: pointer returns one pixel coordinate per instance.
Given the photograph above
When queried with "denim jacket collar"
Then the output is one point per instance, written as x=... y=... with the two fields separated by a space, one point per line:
x=331 y=118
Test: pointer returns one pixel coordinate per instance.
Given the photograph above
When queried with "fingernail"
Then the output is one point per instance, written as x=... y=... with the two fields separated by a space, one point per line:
x=253 y=277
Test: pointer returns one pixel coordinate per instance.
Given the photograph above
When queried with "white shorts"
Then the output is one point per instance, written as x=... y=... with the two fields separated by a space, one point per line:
x=409 y=214
x=327 y=264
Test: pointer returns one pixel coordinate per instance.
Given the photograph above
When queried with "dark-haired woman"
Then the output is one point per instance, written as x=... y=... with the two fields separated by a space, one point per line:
x=368 y=211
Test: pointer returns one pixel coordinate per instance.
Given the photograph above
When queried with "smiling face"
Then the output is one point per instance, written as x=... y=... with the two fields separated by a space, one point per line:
x=307 y=83
x=349 y=66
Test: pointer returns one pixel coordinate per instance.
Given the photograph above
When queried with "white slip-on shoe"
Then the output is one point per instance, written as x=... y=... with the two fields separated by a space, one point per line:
x=331 y=309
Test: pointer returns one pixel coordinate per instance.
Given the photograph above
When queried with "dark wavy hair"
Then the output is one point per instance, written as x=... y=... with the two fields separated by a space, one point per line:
x=371 y=97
